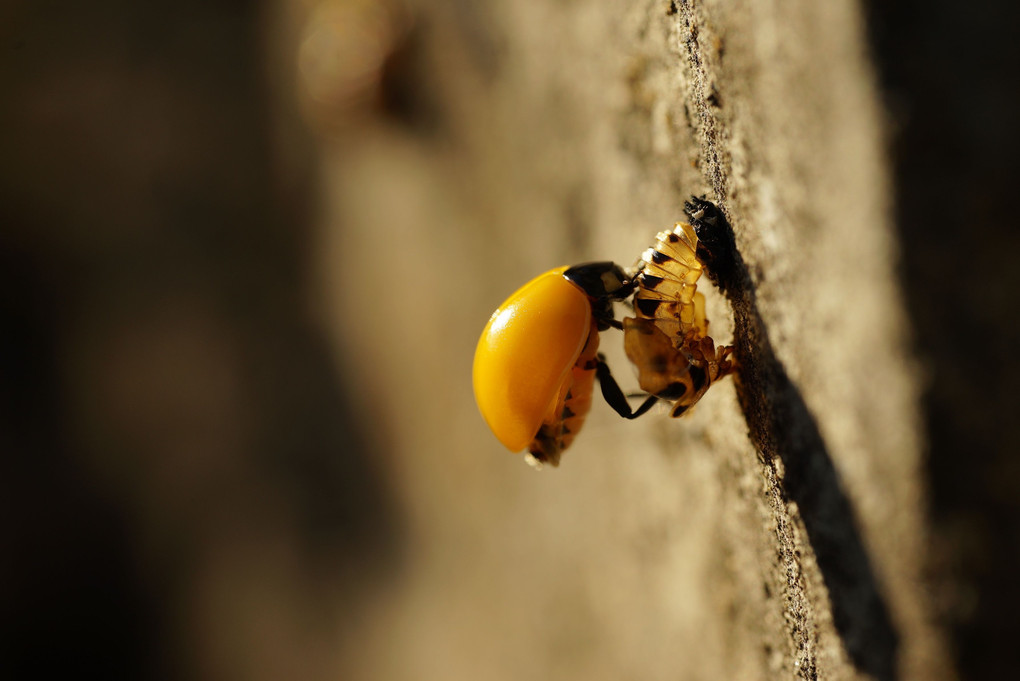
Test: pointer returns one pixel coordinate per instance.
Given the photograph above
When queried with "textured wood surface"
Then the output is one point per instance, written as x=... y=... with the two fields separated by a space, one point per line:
x=777 y=531
x=246 y=250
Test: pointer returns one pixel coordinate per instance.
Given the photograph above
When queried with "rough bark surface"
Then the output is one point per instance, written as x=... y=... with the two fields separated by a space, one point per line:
x=777 y=531
x=236 y=414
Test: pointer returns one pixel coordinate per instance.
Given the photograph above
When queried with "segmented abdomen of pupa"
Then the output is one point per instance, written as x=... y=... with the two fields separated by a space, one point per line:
x=667 y=289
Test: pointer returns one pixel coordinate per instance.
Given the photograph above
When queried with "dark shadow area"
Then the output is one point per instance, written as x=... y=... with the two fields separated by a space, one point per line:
x=168 y=409
x=949 y=74
x=69 y=591
x=782 y=427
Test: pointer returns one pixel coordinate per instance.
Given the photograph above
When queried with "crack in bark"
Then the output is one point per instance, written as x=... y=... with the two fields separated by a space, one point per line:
x=798 y=608
x=688 y=30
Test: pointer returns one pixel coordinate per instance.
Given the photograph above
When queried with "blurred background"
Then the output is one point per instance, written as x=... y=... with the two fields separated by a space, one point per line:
x=246 y=248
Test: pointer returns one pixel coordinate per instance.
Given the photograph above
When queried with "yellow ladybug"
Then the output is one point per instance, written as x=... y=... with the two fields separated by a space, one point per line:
x=537 y=359
x=536 y=362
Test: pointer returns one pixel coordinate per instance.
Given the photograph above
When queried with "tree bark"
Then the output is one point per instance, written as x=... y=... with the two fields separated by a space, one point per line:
x=235 y=373
x=781 y=529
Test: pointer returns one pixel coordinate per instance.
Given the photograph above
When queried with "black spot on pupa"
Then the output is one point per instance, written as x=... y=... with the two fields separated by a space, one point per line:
x=567 y=413
x=658 y=257
x=698 y=377
x=649 y=281
x=674 y=391
x=647 y=306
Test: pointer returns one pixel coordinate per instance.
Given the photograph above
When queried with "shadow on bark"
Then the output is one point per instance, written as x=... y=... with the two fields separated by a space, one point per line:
x=954 y=178
x=782 y=427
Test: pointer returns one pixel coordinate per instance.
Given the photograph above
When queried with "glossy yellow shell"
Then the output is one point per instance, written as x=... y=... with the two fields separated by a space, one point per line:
x=526 y=354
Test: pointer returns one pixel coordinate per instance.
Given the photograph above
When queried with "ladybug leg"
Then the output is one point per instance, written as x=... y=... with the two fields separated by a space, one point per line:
x=614 y=397
x=650 y=402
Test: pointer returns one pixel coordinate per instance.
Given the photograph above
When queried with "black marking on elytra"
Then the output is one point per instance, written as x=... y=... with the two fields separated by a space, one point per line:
x=698 y=377
x=647 y=306
x=674 y=391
